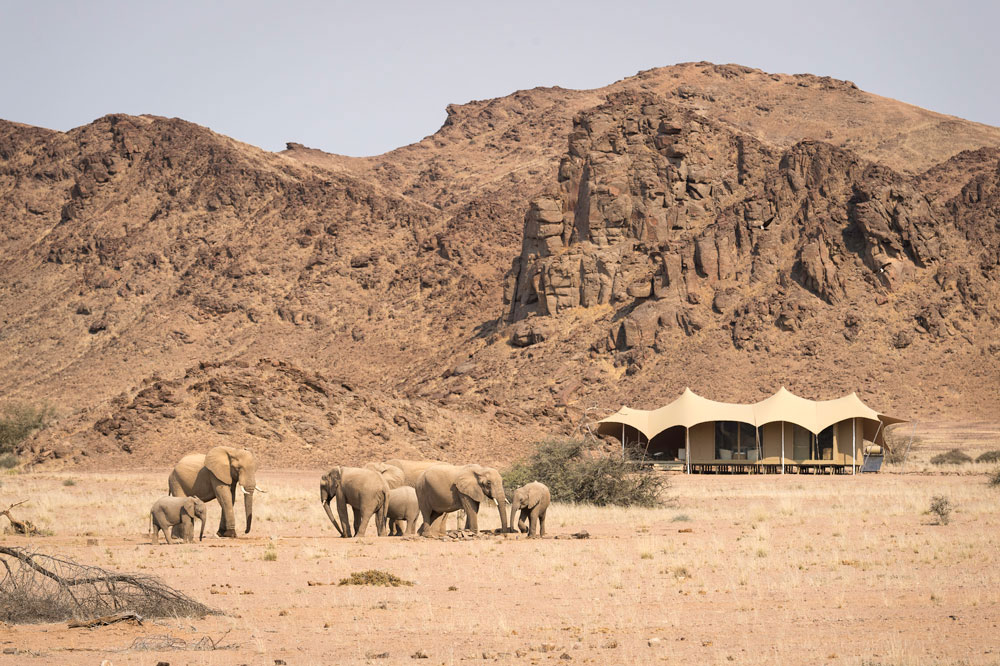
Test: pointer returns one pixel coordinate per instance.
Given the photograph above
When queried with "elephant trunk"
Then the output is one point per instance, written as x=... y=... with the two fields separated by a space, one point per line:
x=248 y=480
x=248 y=505
x=325 y=498
x=513 y=511
x=201 y=537
x=501 y=501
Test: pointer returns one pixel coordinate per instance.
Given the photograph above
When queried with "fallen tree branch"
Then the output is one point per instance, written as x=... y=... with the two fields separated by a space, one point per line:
x=38 y=587
x=106 y=620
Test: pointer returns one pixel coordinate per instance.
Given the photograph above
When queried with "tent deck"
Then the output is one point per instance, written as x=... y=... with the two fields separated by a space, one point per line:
x=743 y=467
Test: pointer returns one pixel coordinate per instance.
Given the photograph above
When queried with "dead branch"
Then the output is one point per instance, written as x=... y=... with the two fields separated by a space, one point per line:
x=20 y=527
x=106 y=620
x=38 y=587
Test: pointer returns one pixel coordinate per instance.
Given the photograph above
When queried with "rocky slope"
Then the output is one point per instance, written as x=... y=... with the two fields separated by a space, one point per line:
x=712 y=226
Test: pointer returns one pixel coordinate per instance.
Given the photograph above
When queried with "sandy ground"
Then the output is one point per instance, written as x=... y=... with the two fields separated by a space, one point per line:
x=782 y=570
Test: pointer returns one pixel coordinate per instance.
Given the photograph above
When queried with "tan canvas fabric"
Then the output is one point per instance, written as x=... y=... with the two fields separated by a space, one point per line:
x=691 y=409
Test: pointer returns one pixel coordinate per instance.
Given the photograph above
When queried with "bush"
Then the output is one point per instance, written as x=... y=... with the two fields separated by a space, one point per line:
x=988 y=457
x=374 y=577
x=995 y=478
x=953 y=457
x=573 y=475
x=941 y=507
x=8 y=461
x=18 y=422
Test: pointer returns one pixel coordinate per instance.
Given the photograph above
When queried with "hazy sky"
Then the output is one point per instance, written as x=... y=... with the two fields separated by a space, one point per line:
x=361 y=78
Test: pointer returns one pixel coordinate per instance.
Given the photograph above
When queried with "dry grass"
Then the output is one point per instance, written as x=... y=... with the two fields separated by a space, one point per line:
x=806 y=566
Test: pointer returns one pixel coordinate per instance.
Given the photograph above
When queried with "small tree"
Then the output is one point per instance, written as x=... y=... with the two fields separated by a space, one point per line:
x=17 y=423
x=575 y=473
x=941 y=507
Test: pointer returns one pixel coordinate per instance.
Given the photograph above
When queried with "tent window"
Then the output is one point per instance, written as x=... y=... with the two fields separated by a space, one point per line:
x=824 y=444
x=726 y=437
x=735 y=440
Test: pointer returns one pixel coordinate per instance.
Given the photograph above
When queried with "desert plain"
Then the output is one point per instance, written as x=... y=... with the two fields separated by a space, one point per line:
x=731 y=569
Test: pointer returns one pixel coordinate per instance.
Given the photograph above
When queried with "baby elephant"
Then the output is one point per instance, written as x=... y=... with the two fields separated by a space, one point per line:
x=403 y=506
x=170 y=511
x=532 y=500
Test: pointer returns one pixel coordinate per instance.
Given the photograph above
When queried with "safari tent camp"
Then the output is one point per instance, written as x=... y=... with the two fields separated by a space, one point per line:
x=782 y=433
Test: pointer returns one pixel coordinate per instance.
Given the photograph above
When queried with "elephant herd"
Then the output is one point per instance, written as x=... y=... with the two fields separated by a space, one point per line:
x=395 y=492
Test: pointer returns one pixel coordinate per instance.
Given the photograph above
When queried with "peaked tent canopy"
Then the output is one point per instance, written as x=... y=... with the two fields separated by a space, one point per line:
x=691 y=409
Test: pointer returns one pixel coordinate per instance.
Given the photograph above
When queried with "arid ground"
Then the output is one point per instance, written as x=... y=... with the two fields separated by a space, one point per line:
x=756 y=569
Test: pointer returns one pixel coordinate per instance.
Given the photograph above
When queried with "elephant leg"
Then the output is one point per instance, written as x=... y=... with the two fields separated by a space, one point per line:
x=394 y=529
x=166 y=533
x=533 y=523
x=426 y=513
x=471 y=508
x=434 y=523
x=411 y=524
x=187 y=529
x=345 y=522
x=521 y=518
x=541 y=524
x=361 y=520
x=227 y=524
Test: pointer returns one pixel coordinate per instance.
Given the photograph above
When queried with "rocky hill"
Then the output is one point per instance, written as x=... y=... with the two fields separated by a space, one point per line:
x=542 y=258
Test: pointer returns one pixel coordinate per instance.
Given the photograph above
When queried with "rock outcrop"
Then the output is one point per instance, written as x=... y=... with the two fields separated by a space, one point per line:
x=681 y=224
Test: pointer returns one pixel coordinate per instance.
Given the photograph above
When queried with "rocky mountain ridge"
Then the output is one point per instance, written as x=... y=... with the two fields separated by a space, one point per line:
x=704 y=225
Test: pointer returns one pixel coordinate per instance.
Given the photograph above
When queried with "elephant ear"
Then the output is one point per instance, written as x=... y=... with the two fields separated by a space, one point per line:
x=393 y=476
x=467 y=483
x=190 y=507
x=217 y=462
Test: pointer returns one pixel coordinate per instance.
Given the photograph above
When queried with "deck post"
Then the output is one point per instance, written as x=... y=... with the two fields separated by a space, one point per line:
x=854 y=445
x=687 y=448
x=782 y=446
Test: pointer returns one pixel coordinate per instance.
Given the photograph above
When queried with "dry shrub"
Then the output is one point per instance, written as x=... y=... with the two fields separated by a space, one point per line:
x=941 y=507
x=953 y=457
x=994 y=479
x=18 y=422
x=45 y=588
x=574 y=473
x=988 y=457
x=374 y=577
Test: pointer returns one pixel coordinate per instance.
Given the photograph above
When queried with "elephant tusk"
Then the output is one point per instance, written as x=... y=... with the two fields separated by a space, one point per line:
x=260 y=490
x=245 y=491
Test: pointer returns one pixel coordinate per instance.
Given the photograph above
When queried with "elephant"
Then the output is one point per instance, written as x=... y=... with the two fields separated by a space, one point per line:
x=364 y=489
x=444 y=488
x=403 y=506
x=170 y=511
x=532 y=500
x=412 y=469
x=215 y=475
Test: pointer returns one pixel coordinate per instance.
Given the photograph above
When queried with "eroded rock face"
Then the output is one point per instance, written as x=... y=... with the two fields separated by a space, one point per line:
x=682 y=224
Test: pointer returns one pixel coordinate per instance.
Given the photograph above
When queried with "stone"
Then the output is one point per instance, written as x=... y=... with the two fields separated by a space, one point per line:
x=527 y=333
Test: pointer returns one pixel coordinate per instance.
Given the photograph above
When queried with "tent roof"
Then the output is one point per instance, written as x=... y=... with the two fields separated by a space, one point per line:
x=690 y=409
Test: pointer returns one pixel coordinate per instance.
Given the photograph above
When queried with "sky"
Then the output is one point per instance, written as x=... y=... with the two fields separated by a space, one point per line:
x=362 y=78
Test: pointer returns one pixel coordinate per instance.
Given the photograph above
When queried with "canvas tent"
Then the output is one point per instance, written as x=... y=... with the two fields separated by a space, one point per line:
x=779 y=433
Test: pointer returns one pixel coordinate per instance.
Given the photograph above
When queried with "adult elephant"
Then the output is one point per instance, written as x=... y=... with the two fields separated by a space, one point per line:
x=412 y=469
x=364 y=489
x=215 y=475
x=445 y=488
